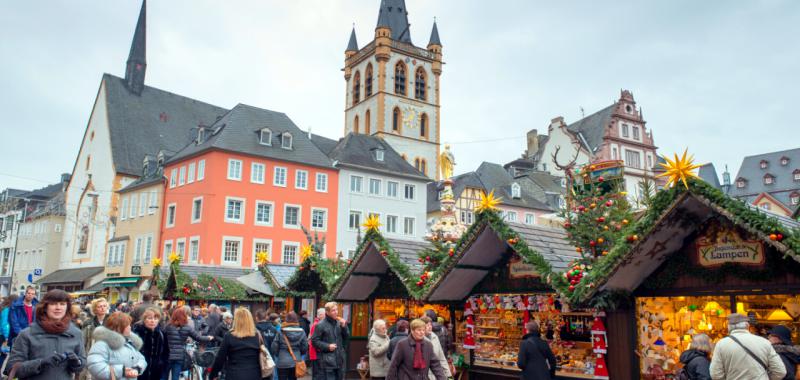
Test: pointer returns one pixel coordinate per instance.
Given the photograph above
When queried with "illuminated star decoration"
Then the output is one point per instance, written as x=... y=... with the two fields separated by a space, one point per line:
x=305 y=253
x=262 y=258
x=488 y=202
x=679 y=169
x=372 y=223
x=173 y=257
x=157 y=262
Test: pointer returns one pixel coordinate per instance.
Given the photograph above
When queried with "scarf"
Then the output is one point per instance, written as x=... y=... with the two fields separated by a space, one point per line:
x=419 y=361
x=55 y=326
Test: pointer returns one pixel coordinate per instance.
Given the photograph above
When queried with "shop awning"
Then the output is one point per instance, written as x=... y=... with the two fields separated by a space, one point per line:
x=82 y=293
x=255 y=283
x=121 y=282
x=70 y=276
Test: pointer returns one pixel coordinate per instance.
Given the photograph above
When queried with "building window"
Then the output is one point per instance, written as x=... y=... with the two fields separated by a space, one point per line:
x=197 y=209
x=263 y=213
x=279 y=179
x=419 y=85
x=636 y=133
x=466 y=217
x=368 y=81
x=142 y=203
x=355 y=124
x=265 y=137
x=516 y=191
x=234 y=210
x=261 y=245
x=137 y=251
x=356 y=183
x=190 y=174
x=423 y=166
x=391 y=189
x=423 y=126
x=400 y=79
x=367 y=123
x=354 y=220
x=257 y=173
x=290 y=253
x=379 y=154
x=201 y=170
x=171 y=210
x=784 y=161
x=374 y=186
x=148 y=249
x=318 y=218
x=624 y=130
x=235 y=170
x=769 y=179
x=614 y=153
x=116 y=254
x=633 y=159
x=286 y=140
x=764 y=206
x=167 y=249
x=123 y=210
x=180 y=245
x=133 y=209
x=301 y=179
x=291 y=216
x=408 y=226
x=231 y=250
x=740 y=183
x=182 y=176
x=391 y=224
x=153 y=203
x=796 y=175
x=322 y=182
x=356 y=88
x=173 y=178
x=764 y=164
x=397 y=119
x=409 y=192
x=530 y=218
x=649 y=161
x=194 y=249
x=511 y=216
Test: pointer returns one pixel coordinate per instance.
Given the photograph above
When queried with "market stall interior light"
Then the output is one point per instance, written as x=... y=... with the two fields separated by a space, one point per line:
x=712 y=306
x=779 y=315
x=740 y=308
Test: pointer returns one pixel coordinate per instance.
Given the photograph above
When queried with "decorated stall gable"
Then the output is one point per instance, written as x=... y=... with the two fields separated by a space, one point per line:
x=728 y=247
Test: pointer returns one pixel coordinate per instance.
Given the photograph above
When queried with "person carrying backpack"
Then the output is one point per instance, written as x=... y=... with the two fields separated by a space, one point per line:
x=695 y=359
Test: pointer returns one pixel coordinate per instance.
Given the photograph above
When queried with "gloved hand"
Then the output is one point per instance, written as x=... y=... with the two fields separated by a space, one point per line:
x=53 y=361
x=73 y=360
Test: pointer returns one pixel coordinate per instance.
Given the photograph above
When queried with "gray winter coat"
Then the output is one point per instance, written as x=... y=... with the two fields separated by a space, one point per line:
x=34 y=345
x=378 y=347
x=298 y=340
x=112 y=350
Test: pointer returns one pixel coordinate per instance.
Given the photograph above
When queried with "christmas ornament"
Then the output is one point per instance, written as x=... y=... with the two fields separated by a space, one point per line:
x=384 y=253
x=469 y=332
x=600 y=240
x=599 y=337
x=372 y=223
x=601 y=219
x=679 y=169
x=173 y=257
x=600 y=368
x=262 y=258
x=157 y=262
x=488 y=202
x=305 y=252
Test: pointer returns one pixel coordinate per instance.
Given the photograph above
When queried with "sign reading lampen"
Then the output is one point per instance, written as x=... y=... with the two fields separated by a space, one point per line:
x=730 y=248
x=520 y=269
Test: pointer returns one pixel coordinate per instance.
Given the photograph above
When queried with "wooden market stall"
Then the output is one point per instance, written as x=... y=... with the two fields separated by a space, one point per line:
x=198 y=285
x=697 y=256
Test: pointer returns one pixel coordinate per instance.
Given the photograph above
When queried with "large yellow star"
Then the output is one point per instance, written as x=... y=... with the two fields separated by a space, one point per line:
x=157 y=262
x=173 y=257
x=262 y=258
x=305 y=253
x=372 y=223
x=488 y=202
x=679 y=169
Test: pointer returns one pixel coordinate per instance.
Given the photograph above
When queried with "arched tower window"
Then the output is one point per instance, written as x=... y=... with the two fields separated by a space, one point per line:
x=419 y=84
x=417 y=163
x=367 y=122
x=423 y=166
x=355 y=124
x=356 y=88
x=368 y=81
x=423 y=126
x=400 y=78
x=397 y=119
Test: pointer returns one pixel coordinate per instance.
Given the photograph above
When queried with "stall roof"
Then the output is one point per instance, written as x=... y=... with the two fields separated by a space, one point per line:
x=281 y=273
x=482 y=249
x=254 y=281
x=408 y=251
x=74 y=275
x=662 y=229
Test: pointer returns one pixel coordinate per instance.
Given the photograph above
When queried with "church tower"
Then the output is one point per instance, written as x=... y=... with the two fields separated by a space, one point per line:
x=393 y=88
x=137 y=63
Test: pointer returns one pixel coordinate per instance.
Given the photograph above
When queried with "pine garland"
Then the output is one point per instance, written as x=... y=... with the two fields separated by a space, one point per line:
x=205 y=287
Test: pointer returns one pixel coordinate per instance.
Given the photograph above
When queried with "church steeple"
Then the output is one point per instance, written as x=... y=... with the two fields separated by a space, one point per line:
x=137 y=63
x=435 y=36
x=352 y=45
x=393 y=14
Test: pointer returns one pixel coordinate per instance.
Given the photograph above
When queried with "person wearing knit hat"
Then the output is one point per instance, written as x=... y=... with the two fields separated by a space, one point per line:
x=744 y=356
x=781 y=339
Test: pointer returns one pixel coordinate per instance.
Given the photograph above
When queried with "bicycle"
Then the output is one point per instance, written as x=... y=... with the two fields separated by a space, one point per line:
x=200 y=362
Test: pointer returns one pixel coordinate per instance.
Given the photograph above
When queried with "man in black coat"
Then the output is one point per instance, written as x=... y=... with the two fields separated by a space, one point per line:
x=328 y=339
x=266 y=327
x=305 y=324
x=535 y=359
x=213 y=319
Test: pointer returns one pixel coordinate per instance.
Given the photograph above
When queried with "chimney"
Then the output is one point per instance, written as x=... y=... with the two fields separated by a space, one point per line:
x=309 y=133
x=533 y=143
x=556 y=122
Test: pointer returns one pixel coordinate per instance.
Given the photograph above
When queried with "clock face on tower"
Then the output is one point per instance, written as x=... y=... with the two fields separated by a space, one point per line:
x=410 y=117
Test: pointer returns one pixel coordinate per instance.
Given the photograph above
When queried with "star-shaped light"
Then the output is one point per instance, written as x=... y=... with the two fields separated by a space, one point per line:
x=305 y=252
x=488 y=202
x=173 y=257
x=157 y=262
x=679 y=170
x=372 y=223
x=262 y=258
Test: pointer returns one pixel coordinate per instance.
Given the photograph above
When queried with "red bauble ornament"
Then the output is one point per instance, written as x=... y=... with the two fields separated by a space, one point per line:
x=567 y=225
x=592 y=243
x=581 y=208
x=601 y=219
x=780 y=237
x=572 y=288
x=609 y=203
x=384 y=253
x=600 y=179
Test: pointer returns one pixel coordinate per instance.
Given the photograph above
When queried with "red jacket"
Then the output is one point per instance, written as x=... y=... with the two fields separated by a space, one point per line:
x=312 y=353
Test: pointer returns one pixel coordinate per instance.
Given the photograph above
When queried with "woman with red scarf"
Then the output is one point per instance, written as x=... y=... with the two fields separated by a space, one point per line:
x=413 y=357
x=51 y=348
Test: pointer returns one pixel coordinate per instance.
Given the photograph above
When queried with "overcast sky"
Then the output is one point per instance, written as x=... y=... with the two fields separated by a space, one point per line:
x=718 y=77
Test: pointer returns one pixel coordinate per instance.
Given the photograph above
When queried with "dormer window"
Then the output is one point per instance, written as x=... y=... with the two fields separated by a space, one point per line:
x=265 y=137
x=201 y=135
x=764 y=164
x=794 y=199
x=796 y=174
x=145 y=165
x=379 y=155
x=769 y=179
x=516 y=191
x=784 y=161
x=741 y=183
x=286 y=140
x=160 y=159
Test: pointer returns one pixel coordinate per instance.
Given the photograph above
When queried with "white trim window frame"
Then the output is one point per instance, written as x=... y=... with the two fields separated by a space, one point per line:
x=413 y=192
x=227 y=251
x=301 y=179
x=182 y=176
x=354 y=224
x=391 y=224
x=257 y=172
x=530 y=218
x=375 y=185
x=173 y=178
x=171 y=215
x=265 y=137
x=190 y=173
x=315 y=222
x=201 y=170
x=279 y=176
x=258 y=214
x=234 y=169
x=356 y=184
x=409 y=226
x=123 y=209
x=321 y=178
x=231 y=218
x=134 y=207
x=256 y=249
x=194 y=249
x=137 y=250
x=151 y=209
x=148 y=249
x=197 y=215
x=511 y=216
x=180 y=248
x=168 y=249
x=393 y=189
x=142 y=203
x=289 y=244
x=299 y=215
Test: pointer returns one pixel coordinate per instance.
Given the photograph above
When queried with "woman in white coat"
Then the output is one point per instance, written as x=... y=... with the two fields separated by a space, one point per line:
x=116 y=349
x=378 y=348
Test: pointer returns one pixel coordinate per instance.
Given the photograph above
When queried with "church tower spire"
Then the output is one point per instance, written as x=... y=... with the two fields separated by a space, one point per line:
x=352 y=45
x=137 y=63
x=393 y=14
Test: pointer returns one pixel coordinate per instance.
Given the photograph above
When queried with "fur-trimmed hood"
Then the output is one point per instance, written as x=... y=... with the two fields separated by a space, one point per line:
x=115 y=340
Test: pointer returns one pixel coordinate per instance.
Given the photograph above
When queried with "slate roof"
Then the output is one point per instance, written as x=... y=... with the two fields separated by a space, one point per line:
x=63 y=276
x=435 y=36
x=155 y=120
x=46 y=192
x=550 y=242
x=783 y=185
x=255 y=283
x=282 y=273
x=393 y=14
x=408 y=251
x=708 y=173
x=238 y=131
x=591 y=129
x=214 y=271
x=324 y=144
x=358 y=151
x=352 y=45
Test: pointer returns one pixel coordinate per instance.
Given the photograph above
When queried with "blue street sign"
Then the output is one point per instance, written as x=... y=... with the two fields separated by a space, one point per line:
x=37 y=272
x=30 y=277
